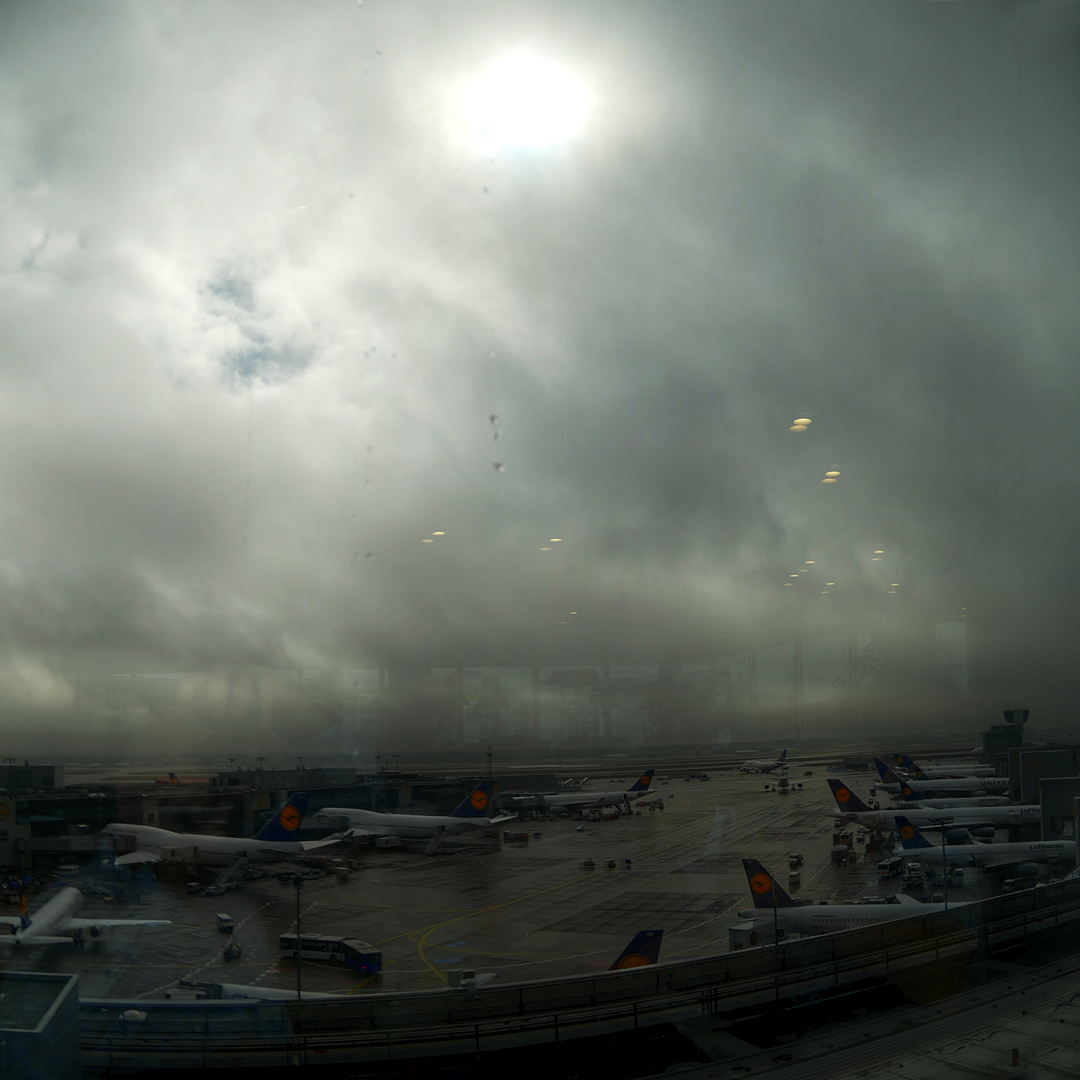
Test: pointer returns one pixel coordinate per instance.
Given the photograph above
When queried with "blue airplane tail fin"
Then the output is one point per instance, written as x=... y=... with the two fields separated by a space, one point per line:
x=641 y=952
x=642 y=784
x=846 y=799
x=286 y=822
x=783 y=755
x=886 y=774
x=764 y=888
x=910 y=837
x=476 y=803
x=173 y=778
x=907 y=792
x=905 y=762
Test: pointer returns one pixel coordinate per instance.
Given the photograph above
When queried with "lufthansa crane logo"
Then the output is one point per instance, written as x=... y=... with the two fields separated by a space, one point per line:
x=633 y=960
x=899 y=759
x=479 y=800
x=761 y=883
x=842 y=794
x=1033 y=764
x=907 y=790
x=645 y=780
x=907 y=832
x=290 y=818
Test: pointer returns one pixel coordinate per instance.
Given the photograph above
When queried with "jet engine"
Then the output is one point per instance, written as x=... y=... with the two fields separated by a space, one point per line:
x=1027 y=870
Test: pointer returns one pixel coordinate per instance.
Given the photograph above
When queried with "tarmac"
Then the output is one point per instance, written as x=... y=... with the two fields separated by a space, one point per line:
x=516 y=911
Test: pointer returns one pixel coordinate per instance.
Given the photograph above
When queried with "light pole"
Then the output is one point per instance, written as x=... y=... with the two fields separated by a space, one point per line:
x=299 y=939
x=942 y=822
x=775 y=914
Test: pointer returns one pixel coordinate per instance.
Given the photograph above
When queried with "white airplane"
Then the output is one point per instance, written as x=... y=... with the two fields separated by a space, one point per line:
x=849 y=807
x=469 y=815
x=986 y=856
x=945 y=804
x=763 y=766
x=930 y=772
x=896 y=785
x=271 y=844
x=773 y=907
x=54 y=923
x=584 y=800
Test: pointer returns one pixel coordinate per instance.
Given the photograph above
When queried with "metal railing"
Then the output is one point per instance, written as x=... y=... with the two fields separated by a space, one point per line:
x=443 y=1017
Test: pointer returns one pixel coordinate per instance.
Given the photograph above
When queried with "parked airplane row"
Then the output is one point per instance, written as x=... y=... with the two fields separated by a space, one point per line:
x=899 y=782
x=849 y=807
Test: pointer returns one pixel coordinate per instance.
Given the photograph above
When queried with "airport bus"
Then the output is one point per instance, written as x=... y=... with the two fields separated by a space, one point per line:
x=890 y=867
x=358 y=955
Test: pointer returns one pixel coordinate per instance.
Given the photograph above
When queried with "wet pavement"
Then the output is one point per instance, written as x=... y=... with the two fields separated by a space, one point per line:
x=519 y=911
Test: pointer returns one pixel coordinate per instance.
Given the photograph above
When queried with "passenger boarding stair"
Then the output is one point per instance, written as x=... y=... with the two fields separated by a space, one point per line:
x=229 y=878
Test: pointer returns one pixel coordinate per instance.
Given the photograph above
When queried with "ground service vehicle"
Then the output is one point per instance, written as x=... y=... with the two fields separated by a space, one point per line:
x=358 y=955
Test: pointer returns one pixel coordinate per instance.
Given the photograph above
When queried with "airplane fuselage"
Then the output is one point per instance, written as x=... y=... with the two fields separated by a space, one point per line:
x=50 y=916
x=759 y=766
x=984 y=815
x=585 y=800
x=987 y=785
x=935 y=772
x=203 y=849
x=991 y=854
x=408 y=826
x=829 y=918
x=945 y=804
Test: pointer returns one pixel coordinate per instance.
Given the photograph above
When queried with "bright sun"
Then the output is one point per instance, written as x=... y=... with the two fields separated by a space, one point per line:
x=523 y=101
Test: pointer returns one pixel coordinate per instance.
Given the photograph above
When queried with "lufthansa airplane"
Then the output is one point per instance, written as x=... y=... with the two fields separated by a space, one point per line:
x=763 y=766
x=273 y=842
x=850 y=807
x=1022 y=855
x=54 y=923
x=773 y=905
x=586 y=800
x=933 y=772
x=470 y=815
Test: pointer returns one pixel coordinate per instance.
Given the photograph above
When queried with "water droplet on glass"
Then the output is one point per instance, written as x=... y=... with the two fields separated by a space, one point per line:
x=368 y=448
x=494 y=418
x=499 y=466
x=367 y=481
x=491 y=355
x=495 y=437
x=368 y=555
x=356 y=554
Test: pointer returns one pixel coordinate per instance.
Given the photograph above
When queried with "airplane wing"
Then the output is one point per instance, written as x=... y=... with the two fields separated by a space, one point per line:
x=34 y=940
x=11 y=920
x=360 y=834
x=314 y=845
x=134 y=858
x=88 y=924
x=487 y=823
x=999 y=864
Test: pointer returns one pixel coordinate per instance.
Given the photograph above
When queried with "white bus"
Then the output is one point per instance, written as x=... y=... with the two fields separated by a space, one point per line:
x=358 y=955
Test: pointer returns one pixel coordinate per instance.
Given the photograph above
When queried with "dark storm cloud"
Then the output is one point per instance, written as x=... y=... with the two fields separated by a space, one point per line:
x=243 y=244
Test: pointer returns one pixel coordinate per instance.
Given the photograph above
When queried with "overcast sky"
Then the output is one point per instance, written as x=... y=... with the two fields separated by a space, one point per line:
x=265 y=277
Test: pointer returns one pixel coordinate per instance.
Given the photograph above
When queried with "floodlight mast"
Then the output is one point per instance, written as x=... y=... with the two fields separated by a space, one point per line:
x=941 y=823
